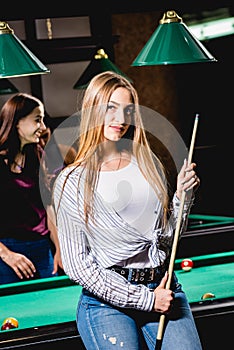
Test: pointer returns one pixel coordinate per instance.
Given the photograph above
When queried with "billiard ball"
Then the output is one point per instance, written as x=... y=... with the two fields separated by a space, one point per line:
x=207 y=296
x=186 y=264
x=9 y=323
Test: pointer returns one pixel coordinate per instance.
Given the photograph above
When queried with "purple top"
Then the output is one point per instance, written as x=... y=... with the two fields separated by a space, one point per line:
x=22 y=215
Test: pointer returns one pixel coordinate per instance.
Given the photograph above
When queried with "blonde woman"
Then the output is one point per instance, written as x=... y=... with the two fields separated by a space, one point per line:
x=116 y=224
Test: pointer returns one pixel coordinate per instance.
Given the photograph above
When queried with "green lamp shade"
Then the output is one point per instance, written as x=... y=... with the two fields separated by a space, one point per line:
x=99 y=64
x=6 y=87
x=15 y=58
x=172 y=43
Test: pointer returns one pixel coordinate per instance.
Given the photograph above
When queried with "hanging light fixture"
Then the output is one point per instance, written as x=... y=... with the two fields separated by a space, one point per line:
x=172 y=43
x=15 y=58
x=6 y=87
x=100 y=63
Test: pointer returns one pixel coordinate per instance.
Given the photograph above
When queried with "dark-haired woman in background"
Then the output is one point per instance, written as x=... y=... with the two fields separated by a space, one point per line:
x=29 y=246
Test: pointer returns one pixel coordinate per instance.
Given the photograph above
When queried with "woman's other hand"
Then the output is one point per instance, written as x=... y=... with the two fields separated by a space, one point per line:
x=187 y=179
x=22 y=266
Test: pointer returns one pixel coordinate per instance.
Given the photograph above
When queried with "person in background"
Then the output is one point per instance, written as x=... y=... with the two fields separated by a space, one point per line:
x=29 y=247
x=116 y=225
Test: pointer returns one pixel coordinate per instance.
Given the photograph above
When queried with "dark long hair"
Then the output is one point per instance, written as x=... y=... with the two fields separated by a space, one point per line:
x=14 y=109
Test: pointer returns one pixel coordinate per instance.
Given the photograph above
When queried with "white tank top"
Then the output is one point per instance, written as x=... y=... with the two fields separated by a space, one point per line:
x=130 y=195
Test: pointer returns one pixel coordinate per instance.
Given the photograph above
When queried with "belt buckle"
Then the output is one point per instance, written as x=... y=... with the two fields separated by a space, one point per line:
x=151 y=274
x=135 y=276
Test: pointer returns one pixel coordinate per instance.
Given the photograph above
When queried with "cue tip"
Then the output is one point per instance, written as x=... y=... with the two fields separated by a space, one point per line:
x=197 y=116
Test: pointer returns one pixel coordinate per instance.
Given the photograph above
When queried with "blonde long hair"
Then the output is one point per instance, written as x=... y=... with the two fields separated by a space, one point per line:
x=95 y=100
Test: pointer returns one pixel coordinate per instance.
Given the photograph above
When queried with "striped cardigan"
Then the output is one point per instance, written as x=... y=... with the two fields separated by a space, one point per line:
x=87 y=253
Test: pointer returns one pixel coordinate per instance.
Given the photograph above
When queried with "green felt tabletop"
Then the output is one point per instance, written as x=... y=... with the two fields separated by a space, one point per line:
x=43 y=307
x=54 y=300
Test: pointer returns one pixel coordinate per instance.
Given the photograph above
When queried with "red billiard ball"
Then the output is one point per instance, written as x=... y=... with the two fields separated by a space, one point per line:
x=9 y=323
x=186 y=264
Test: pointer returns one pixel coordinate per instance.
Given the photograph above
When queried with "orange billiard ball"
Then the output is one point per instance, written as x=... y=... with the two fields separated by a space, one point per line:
x=9 y=323
x=207 y=296
x=186 y=264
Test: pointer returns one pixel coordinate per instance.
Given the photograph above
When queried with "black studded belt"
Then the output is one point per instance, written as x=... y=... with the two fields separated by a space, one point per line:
x=140 y=276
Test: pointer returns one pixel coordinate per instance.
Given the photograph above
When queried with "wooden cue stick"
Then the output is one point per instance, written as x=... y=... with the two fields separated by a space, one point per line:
x=175 y=239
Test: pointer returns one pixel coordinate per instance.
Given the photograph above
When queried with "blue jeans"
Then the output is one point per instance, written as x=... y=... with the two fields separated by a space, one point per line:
x=39 y=252
x=103 y=326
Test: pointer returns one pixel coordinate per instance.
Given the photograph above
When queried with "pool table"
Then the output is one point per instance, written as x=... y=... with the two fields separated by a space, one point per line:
x=46 y=308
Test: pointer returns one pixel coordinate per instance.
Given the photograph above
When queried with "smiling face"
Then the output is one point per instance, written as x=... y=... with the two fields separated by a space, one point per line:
x=31 y=127
x=118 y=115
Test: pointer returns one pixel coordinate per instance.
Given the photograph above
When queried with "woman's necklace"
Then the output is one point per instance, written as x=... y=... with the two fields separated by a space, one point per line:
x=106 y=165
x=20 y=167
x=19 y=163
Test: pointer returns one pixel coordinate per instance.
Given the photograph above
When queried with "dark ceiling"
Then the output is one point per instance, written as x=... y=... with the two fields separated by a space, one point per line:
x=20 y=10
